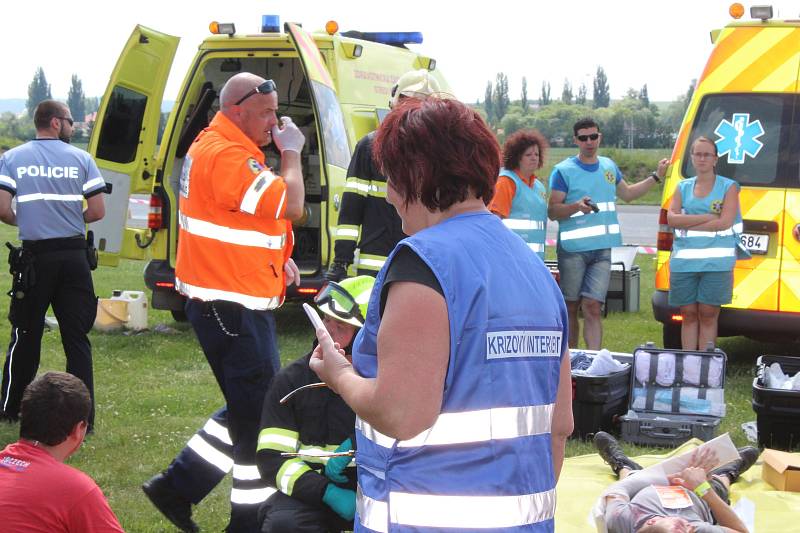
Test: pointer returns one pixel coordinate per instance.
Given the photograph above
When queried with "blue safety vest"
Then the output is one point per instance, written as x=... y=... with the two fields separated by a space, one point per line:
x=593 y=231
x=705 y=251
x=486 y=462
x=528 y=215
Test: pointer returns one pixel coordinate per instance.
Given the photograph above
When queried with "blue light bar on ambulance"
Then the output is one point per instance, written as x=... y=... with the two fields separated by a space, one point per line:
x=270 y=24
x=398 y=38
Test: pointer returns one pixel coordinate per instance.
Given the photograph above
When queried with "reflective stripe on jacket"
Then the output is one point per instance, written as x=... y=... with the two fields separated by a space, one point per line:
x=233 y=239
x=486 y=462
x=528 y=215
x=592 y=231
x=705 y=251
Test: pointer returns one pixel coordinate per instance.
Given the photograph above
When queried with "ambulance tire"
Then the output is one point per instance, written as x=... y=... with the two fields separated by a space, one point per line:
x=179 y=315
x=672 y=336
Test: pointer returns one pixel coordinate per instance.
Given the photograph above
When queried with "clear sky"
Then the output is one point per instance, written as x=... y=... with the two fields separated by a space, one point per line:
x=663 y=44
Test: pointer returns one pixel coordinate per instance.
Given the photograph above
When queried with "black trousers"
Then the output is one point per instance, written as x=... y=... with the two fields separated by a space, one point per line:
x=284 y=514
x=63 y=280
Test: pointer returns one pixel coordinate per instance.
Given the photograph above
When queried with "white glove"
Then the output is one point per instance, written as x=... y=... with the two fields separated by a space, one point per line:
x=288 y=137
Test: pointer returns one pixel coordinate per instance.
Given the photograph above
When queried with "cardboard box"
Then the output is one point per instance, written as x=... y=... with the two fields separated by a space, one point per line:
x=781 y=469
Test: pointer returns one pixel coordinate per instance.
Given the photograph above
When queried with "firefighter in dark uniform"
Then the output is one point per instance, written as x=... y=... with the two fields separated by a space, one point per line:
x=365 y=217
x=315 y=487
x=50 y=180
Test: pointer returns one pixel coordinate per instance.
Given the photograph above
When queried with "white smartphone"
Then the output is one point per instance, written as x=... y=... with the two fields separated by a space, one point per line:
x=313 y=316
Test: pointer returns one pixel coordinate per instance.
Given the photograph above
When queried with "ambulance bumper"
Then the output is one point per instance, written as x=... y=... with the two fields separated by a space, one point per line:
x=748 y=322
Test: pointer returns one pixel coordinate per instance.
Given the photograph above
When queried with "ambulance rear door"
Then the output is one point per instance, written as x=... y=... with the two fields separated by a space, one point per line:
x=754 y=134
x=789 y=298
x=334 y=148
x=125 y=135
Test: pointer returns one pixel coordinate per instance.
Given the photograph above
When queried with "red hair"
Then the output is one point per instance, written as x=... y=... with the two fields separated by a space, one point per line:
x=518 y=143
x=437 y=151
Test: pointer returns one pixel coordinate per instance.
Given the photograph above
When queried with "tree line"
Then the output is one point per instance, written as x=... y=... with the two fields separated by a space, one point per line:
x=631 y=122
x=15 y=130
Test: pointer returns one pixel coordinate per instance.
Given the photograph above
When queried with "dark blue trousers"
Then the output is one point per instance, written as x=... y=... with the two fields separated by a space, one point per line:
x=241 y=347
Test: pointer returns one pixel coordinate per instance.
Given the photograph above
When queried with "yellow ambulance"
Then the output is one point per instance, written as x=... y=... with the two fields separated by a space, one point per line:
x=747 y=101
x=334 y=85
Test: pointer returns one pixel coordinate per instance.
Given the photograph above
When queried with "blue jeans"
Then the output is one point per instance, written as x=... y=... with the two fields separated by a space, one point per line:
x=584 y=274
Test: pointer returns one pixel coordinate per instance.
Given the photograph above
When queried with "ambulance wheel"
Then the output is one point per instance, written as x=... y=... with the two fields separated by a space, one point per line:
x=672 y=336
x=179 y=316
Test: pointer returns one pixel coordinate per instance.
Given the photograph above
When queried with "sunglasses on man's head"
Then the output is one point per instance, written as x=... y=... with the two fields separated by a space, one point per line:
x=265 y=88
x=591 y=136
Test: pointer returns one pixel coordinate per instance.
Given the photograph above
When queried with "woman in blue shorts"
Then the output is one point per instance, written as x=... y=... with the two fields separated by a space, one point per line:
x=706 y=218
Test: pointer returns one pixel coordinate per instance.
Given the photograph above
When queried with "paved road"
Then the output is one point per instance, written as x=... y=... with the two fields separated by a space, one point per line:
x=639 y=224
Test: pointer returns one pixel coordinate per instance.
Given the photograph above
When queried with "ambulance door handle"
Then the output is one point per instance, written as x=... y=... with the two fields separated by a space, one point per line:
x=146 y=175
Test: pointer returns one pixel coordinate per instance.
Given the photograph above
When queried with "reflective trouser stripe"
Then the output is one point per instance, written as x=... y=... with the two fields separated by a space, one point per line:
x=239 y=237
x=251 y=496
x=208 y=295
x=92 y=183
x=246 y=472
x=462 y=512
x=290 y=472
x=591 y=231
x=536 y=247
x=522 y=224
x=371 y=262
x=255 y=191
x=471 y=426
x=704 y=253
x=49 y=197
x=215 y=429
x=210 y=454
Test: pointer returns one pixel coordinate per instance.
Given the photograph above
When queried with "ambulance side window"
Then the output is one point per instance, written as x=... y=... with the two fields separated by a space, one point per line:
x=119 y=133
x=752 y=132
x=334 y=136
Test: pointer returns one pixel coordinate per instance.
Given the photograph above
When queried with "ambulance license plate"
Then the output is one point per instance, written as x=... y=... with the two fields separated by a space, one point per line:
x=755 y=242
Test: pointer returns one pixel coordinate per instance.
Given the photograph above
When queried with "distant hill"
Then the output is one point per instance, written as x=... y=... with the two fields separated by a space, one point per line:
x=17 y=105
x=14 y=105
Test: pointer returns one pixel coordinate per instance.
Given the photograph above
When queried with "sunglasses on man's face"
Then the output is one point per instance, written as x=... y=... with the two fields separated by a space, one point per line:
x=590 y=137
x=265 y=88
x=69 y=120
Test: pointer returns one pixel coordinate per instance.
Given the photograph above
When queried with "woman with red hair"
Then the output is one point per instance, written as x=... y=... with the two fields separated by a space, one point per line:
x=461 y=388
x=520 y=198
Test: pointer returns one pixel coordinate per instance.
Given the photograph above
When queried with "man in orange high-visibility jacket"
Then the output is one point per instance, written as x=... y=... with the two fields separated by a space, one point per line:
x=234 y=260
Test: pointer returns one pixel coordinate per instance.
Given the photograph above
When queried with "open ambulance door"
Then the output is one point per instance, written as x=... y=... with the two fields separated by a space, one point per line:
x=124 y=138
x=334 y=147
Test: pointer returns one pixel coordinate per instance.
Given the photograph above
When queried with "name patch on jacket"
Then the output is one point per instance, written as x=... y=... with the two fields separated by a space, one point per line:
x=523 y=343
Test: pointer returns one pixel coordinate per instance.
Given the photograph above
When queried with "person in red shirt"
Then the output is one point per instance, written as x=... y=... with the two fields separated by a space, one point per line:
x=38 y=492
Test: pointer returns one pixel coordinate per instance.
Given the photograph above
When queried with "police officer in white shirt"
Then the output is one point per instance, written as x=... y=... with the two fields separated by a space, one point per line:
x=50 y=180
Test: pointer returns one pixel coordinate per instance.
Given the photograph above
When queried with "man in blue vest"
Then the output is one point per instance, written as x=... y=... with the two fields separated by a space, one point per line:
x=51 y=180
x=583 y=194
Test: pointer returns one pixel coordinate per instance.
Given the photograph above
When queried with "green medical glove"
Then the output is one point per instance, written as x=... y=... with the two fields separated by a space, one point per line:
x=342 y=501
x=334 y=468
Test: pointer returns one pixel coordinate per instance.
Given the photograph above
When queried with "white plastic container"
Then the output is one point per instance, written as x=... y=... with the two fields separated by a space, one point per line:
x=124 y=308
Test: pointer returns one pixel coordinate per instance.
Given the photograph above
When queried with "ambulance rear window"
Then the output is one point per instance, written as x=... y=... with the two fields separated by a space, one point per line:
x=753 y=137
x=119 y=133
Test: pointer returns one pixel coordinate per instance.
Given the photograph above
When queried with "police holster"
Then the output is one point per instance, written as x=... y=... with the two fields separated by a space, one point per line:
x=91 y=251
x=23 y=279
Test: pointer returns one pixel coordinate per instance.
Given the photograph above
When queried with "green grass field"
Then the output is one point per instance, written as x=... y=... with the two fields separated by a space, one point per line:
x=155 y=389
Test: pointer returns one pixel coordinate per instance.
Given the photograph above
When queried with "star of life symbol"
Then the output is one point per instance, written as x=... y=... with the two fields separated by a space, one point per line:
x=739 y=138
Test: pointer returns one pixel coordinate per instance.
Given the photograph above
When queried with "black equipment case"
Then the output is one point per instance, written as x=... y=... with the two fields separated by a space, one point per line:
x=777 y=410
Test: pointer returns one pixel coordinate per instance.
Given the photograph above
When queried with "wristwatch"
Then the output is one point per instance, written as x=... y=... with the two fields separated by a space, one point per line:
x=654 y=176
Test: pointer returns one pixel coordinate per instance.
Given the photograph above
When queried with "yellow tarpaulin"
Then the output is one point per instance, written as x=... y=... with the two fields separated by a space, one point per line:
x=584 y=477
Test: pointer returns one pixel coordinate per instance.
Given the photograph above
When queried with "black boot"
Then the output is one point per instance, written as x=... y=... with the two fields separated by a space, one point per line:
x=747 y=457
x=170 y=502
x=611 y=452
